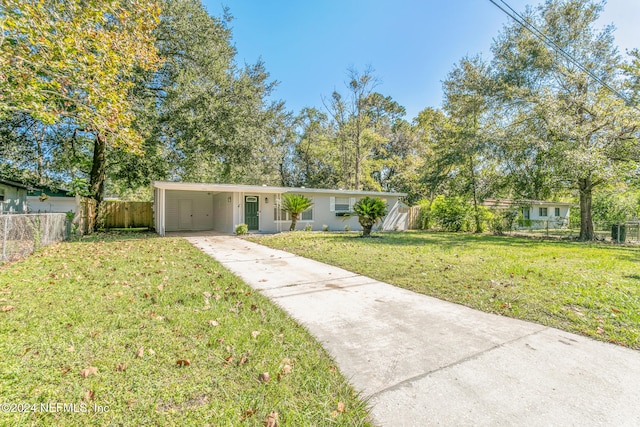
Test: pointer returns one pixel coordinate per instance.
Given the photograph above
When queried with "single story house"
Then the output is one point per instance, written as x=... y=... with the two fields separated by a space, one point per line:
x=47 y=200
x=535 y=213
x=183 y=206
x=13 y=197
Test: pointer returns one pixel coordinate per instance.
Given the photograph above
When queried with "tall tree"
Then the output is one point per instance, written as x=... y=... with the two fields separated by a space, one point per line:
x=207 y=119
x=466 y=145
x=582 y=132
x=350 y=116
x=75 y=61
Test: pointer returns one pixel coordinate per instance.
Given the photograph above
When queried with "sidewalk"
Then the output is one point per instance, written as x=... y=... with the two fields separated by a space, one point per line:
x=421 y=361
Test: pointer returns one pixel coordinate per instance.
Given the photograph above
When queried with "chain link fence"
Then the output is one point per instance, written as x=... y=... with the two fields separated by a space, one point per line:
x=624 y=232
x=21 y=234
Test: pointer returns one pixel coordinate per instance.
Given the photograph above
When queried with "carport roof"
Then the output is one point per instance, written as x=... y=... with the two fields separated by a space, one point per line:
x=230 y=188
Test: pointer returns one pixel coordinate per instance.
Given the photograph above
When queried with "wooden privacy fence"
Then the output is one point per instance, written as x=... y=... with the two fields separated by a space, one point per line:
x=114 y=214
x=119 y=214
x=413 y=219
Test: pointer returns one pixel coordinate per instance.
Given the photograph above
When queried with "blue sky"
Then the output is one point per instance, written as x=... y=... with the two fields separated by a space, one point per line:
x=307 y=46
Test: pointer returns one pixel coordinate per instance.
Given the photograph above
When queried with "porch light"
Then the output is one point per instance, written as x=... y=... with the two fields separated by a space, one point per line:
x=229 y=199
x=266 y=200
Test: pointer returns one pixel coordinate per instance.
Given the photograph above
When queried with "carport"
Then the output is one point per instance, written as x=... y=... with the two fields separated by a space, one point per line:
x=185 y=206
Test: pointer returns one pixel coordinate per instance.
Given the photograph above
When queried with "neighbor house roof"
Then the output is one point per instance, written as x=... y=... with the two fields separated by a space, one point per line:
x=13 y=184
x=507 y=203
x=194 y=186
x=51 y=192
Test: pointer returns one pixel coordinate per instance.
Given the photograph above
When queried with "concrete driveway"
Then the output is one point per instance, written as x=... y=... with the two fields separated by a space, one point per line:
x=421 y=361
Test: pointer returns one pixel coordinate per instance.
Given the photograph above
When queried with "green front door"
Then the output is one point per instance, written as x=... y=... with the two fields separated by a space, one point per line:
x=251 y=212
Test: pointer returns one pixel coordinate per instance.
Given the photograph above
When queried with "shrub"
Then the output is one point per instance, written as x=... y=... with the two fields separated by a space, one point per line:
x=347 y=228
x=307 y=227
x=242 y=229
x=451 y=213
x=295 y=204
x=425 y=213
x=370 y=211
x=325 y=227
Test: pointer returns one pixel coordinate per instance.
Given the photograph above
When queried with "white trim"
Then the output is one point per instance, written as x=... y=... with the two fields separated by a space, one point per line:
x=257 y=189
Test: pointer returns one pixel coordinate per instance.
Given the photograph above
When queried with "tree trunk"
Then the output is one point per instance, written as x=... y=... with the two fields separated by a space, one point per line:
x=586 y=221
x=475 y=196
x=366 y=231
x=294 y=221
x=98 y=174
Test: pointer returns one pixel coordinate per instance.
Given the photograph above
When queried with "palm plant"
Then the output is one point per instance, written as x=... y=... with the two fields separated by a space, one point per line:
x=370 y=210
x=295 y=204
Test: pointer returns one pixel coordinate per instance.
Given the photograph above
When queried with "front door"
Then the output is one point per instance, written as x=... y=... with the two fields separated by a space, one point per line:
x=185 y=214
x=251 y=212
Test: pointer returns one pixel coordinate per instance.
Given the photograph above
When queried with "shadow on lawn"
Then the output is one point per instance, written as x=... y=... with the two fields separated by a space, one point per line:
x=114 y=236
x=448 y=239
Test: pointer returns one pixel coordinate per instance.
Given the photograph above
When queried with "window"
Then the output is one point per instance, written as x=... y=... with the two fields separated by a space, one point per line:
x=557 y=212
x=525 y=213
x=342 y=204
x=543 y=212
x=285 y=216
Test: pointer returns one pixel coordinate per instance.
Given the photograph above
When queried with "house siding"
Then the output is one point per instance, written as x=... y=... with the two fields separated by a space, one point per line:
x=220 y=207
x=200 y=210
x=15 y=199
x=51 y=204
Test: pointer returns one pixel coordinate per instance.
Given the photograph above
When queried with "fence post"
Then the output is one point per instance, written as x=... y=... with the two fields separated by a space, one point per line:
x=4 y=238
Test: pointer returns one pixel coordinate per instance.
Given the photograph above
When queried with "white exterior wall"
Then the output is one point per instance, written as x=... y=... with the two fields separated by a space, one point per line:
x=15 y=199
x=52 y=204
x=195 y=207
x=551 y=220
x=323 y=215
x=223 y=212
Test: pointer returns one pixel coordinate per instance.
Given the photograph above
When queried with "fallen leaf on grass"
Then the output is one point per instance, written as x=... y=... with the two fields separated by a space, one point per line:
x=254 y=334
x=121 y=367
x=86 y=372
x=214 y=323
x=247 y=414
x=183 y=362
x=244 y=359
x=151 y=352
x=90 y=395
x=271 y=420
x=600 y=331
x=615 y=310
x=7 y=308
x=264 y=377
x=140 y=353
x=341 y=407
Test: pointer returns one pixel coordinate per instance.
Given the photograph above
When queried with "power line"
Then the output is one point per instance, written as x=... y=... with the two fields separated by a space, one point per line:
x=553 y=45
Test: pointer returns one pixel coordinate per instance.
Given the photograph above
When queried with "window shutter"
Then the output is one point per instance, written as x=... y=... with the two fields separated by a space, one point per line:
x=332 y=204
x=352 y=201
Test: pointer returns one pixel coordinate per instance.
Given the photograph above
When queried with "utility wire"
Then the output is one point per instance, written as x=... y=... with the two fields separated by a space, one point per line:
x=553 y=45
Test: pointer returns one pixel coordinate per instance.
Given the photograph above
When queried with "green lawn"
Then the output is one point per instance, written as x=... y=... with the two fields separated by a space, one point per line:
x=135 y=330
x=591 y=289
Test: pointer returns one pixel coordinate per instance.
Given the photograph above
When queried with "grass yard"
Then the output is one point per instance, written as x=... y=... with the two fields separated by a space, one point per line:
x=132 y=329
x=591 y=289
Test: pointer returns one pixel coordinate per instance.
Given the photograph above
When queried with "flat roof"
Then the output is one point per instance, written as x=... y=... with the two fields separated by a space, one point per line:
x=199 y=186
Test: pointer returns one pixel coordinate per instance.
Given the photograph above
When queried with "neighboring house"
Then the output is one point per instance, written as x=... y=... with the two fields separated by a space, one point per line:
x=13 y=197
x=534 y=213
x=181 y=206
x=46 y=200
